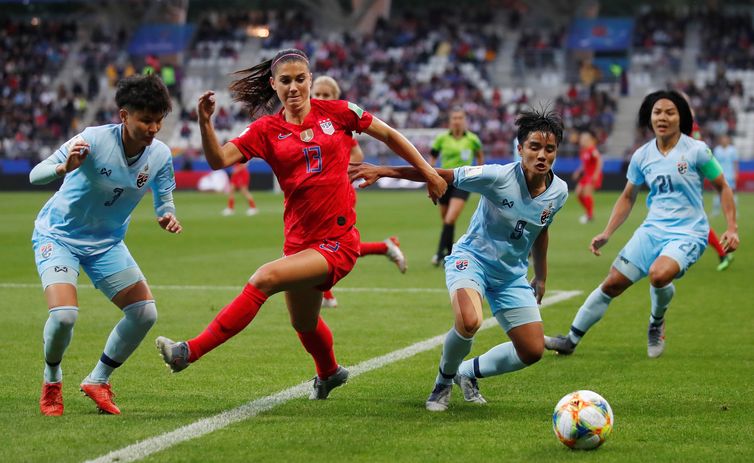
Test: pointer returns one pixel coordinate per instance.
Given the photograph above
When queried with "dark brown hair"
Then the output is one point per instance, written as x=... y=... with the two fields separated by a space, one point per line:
x=253 y=87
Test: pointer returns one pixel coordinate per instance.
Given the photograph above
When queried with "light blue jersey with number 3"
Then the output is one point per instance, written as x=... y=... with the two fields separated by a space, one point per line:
x=508 y=220
x=675 y=181
x=91 y=211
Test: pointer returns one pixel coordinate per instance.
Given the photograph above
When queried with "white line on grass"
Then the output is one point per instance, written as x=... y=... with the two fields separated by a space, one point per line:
x=238 y=288
x=199 y=428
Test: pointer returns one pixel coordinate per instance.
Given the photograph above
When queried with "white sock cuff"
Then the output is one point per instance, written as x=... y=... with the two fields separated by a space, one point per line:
x=455 y=331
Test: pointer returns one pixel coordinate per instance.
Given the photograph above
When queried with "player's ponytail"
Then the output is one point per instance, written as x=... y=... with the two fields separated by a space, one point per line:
x=253 y=88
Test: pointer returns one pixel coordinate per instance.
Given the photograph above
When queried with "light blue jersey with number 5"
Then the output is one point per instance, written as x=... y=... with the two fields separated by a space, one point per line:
x=91 y=211
x=508 y=220
x=675 y=183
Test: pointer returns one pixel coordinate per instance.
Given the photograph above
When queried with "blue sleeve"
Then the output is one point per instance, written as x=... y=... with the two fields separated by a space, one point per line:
x=477 y=179
x=634 y=174
x=162 y=189
x=44 y=172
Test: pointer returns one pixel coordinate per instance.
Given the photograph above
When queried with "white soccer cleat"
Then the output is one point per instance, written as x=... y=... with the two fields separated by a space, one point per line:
x=470 y=389
x=656 y=340
x=228 y=211
x=560 y=344
x=395 y=254
x=329 y=302
x=439 y=398
x=583 y=220
x=174 y=354
x=252 y=211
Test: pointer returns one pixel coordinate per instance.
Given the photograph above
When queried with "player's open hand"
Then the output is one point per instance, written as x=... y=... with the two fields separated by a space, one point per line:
x=436 y=186
x=597 y=242
x=729 y=241
x=206 y=106
x=77 y=153
x=170 y=223
x=539 y=289
x=369 y=173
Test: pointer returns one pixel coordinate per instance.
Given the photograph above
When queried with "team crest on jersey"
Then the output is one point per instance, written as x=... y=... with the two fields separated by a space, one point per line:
x=462 y=264
x=545 y=216
x=307 y=135
x=327 y=127
x=331 y=246
x=142 y=178
x=683 y=166
x=45 y=250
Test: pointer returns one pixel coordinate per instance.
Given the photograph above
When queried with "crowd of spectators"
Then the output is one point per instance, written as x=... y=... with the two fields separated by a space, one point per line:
x=33 y=113
x=727 y=40
x=716 y=105
x=659 y=38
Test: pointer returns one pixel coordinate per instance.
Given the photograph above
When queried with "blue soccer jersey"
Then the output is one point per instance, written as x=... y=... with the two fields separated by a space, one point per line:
x=91 y=211
x=675 y=185
x=508 y=220
x=727 y=157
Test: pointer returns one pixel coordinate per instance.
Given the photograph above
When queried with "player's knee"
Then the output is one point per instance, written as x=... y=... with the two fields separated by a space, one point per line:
x=65 y=317
x=266 y=279
x=531 y=353
x=143 y=313
x=659 y=278
x=468 y=324
x=612 y=287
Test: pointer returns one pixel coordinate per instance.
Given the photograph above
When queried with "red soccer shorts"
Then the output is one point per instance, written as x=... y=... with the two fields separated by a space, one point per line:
x=240 y=178
x=341 y=255
x=596 y=182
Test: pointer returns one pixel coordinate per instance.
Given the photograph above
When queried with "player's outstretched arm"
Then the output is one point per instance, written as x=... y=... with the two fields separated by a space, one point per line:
x=218 y=157
x=729 y=238
x=400 y=145
x=621 y=211
x=370 y=173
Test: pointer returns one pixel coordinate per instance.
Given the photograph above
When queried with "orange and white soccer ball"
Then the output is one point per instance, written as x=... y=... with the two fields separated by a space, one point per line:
x=583 y=420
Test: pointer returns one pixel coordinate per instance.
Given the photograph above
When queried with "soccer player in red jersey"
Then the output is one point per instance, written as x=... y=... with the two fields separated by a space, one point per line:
x=589 y=174
x=307 y=145
x=326 y=88
x=239 y=181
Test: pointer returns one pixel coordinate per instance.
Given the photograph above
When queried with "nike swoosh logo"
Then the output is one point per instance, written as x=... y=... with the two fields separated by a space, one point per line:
x=283 y=137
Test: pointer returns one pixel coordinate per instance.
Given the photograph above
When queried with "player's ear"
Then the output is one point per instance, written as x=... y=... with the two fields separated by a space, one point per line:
x=123 y=113
x=272 y=83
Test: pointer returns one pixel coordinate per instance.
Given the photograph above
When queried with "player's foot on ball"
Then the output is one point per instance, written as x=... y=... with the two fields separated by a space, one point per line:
x=175 y=354
x=322 y=387
x=439 y=398
x=51 y=400
x=395 y=254
x=560 y=344
x=102 y=395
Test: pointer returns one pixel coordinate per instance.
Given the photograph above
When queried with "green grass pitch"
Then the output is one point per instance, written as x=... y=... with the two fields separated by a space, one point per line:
x=695 y=403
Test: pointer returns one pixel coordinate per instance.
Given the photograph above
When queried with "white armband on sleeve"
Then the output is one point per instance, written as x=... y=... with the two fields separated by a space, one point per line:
x=44 y=172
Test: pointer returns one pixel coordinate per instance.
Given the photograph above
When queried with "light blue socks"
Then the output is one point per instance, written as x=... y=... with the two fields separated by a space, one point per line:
x=57 y=334
x=454 y=350
x=137 y=319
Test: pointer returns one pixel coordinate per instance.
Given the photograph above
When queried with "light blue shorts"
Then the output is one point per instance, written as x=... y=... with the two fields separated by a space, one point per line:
x=514 y=297
x=646 y=245
x=110 y=271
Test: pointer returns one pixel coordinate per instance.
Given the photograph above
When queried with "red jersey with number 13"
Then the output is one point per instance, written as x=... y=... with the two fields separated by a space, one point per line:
x=310 y=162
